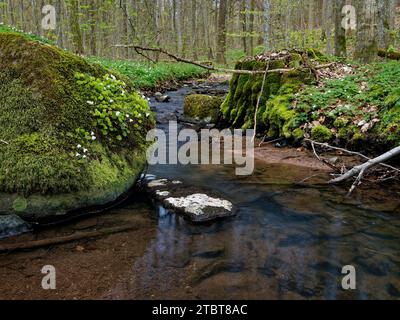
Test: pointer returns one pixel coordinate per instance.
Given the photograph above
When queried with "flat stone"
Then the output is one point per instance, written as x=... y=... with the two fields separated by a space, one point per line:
x=12 y=225
x=195 y=203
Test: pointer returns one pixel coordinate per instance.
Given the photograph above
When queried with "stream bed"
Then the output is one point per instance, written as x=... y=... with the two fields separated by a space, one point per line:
x=288 y=241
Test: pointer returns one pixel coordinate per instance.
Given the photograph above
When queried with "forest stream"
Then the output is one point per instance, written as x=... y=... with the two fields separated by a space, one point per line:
x=288 y=241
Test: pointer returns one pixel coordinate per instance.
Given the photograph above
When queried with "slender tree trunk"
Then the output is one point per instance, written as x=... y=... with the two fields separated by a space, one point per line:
x=75 y=28
x=340 y=32
x=367 y=31
x=221 y=34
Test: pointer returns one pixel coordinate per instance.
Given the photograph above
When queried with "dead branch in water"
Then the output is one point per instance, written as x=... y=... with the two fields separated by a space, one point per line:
x=66 y=239
x=140 y=49
x=360 y=170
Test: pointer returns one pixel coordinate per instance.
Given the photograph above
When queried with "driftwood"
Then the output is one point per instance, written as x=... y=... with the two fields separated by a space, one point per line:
x=140 y=49
x=66 y=239
x=360 y=170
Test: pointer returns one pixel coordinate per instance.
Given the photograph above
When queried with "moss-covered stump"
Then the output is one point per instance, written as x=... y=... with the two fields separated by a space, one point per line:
x=203 y=107
x=72 y=134
x=275 y=115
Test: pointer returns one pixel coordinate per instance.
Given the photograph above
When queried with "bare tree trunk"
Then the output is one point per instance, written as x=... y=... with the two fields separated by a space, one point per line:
x=221 y=34
x=367 y=31
x=340 y=32
x=75 y=28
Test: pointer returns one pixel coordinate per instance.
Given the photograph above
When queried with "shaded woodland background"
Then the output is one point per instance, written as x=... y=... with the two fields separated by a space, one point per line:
x=211 y=30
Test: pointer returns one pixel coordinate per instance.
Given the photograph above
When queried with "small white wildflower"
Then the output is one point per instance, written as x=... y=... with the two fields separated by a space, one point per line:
x=130 y=120
x=118 y=113
x=90 y=103
x=108 y=87
x=78 y=154
x=84 y=157
x=128 y=116
x=113 y=77
x=147 y=114
x=111 y=101
x=79 y=146
x=85 y=150
x=92 y=133
x=94 y=138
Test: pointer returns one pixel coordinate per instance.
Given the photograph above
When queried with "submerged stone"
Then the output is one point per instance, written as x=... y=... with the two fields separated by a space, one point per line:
x=12 y=225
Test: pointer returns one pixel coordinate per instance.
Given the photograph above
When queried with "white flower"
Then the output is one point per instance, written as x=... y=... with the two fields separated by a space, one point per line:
x=93 y=138
x=85 y=150
x=113 y=77
x=108 y=87
x=90 y=102
x=111 y=100
x=78 y=154
x=128 y=116
x=118 y=113
x=79 y=146
x=147 y=115
x=84 y=157
x=130 y=120
x=92 y=133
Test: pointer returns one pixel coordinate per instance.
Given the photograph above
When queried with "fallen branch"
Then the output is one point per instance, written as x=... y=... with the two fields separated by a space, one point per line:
x=350 y=152
x=5 y=142
x=61 y=240
x=211 y=68
x=361 y=169
x=389 y=55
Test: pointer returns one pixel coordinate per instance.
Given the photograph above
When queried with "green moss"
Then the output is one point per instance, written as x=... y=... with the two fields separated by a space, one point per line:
x=298 y=134
x=43 y=111
x=321 y=134
x=275 y=114
x=20 y=204
x=203 y=107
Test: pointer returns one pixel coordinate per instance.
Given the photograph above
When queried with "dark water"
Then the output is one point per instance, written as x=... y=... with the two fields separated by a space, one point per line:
x=287 y=242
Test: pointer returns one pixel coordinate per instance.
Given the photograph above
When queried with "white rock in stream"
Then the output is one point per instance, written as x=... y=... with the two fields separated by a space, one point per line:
x=157 y=183
x=196 y=203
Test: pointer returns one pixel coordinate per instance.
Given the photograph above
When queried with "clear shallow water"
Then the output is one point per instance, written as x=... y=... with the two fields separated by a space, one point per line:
x=287 y=242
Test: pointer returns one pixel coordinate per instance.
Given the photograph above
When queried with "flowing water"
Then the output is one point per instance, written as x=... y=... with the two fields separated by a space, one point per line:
x=288 y=241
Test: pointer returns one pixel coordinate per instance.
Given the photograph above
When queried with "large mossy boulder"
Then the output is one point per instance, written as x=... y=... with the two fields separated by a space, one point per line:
x=275 y=115
x=203 y=107
x=72 y=134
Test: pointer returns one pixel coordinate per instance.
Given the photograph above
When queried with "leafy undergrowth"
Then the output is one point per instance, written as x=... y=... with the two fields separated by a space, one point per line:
x=146 y=75
x=358 y=108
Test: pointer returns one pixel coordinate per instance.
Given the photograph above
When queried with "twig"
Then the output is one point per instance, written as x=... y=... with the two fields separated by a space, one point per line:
x=270 y=142
x=5 y=142
x=258 y=102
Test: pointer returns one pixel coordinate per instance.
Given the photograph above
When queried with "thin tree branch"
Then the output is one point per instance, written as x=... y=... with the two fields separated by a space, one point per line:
x=2 y=141
x=350 y=152
x=210 y=68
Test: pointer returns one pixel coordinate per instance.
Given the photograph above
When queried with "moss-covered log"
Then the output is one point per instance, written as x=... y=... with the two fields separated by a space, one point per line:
x=275 y=115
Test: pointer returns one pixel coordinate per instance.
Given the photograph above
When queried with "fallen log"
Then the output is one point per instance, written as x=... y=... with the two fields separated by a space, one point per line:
x=61 y=240
x=393 y=55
